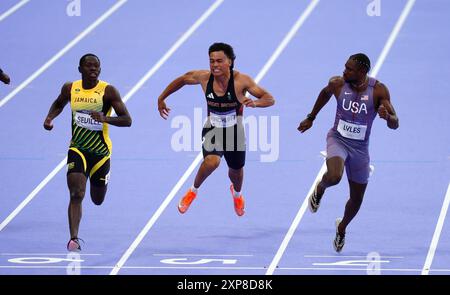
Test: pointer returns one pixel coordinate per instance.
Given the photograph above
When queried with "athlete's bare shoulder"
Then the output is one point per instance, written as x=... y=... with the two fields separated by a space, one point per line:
x=381 y=91
x=67 y=85
x=64 y=95
x=111 y=92
x=195 y=77
x=334 y=85
x=336 y=81
x=379 y=85
x=66 y=88
x=201 y=75
x=240 y=75
x=242 y=78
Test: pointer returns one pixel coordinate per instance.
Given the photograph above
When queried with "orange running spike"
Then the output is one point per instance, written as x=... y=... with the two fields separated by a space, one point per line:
x=239 y=203
x=186 y=201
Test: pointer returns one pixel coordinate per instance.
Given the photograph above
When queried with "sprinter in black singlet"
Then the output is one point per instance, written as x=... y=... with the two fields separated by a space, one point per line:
x=223 y=134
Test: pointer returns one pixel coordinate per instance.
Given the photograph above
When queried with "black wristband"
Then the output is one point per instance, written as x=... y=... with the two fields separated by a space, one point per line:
x=310 y=117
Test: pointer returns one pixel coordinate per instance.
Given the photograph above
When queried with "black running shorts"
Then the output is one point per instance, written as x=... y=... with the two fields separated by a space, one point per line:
x=228 y=142
x=95 y=167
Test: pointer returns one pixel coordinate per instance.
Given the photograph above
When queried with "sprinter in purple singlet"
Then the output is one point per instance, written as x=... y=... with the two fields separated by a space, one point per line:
x=359 y=98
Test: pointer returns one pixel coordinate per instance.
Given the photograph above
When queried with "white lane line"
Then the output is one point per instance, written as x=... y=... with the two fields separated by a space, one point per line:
x=47 y=254
x=172 y=50
x=315 y=269
x=204 y=255
x=30 y=197
x=62 y=52
x=132 y=267
x=125 y=99
x=53 y=266
x=155 y=216
x=199 y=157
x=322 y=170
x=349 y=256
x=287 y=238
x=13 y=9
x=166 y=202
x=437 y=233
x=300 y=21
x=393 y=36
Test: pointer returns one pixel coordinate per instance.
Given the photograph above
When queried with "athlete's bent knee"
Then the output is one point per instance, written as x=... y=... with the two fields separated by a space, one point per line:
x=212 y=163
x=333 y=178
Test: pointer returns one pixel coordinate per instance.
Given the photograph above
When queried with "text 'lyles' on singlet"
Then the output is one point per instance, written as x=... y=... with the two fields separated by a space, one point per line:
x=355 y=112
x=87 y=134
x=223 y=111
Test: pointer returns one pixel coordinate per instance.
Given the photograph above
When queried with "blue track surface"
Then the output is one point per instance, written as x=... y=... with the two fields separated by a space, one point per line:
x=404 y=198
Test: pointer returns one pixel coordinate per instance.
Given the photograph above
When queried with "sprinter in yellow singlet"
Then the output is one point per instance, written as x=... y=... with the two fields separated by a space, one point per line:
x=91 y=101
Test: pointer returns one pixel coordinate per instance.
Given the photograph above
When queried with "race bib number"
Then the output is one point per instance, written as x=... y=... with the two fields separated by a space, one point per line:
x=352 y=131
x=223 y=120
x=83 y=119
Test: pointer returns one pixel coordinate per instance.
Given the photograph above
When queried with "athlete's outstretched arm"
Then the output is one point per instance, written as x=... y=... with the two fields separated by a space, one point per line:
x=190 y=78
x=334 y=84
x=386 y=109
x=123 y=118
x=58 y=105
